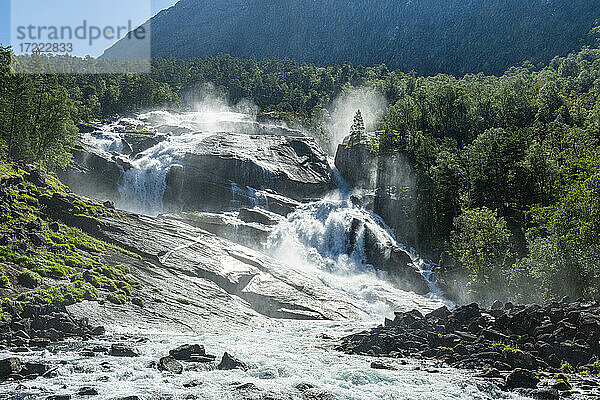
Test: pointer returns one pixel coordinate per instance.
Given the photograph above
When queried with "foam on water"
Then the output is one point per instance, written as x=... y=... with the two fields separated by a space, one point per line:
x=317 y=238
x=279 y=357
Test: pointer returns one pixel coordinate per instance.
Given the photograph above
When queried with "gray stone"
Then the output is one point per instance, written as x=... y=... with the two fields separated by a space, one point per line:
x=9 y=366
x=521 y=378
x=170 y=364
x=229 y=362
x=122 y=350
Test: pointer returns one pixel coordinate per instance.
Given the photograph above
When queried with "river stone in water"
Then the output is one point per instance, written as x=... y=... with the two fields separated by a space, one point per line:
x=229 y=362
x=122 y=350
x=187 y=351
x=521 y=378
x=9 y=366
x=170 y=364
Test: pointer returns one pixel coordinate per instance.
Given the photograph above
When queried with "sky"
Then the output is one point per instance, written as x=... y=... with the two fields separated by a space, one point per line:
x=44 y=12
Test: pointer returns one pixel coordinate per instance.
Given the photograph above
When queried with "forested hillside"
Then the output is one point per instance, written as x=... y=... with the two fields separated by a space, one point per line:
x=507 y=167
x=427 y=36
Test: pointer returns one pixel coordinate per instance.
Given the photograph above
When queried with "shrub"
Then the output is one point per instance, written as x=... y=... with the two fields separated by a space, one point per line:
x=29 y=279
x=138 y=301
x=117 y=298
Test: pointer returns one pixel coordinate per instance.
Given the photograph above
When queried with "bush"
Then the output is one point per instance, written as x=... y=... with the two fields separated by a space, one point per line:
x=481 y=246
x=138 y=301
x=29 y=279
x=117 y=298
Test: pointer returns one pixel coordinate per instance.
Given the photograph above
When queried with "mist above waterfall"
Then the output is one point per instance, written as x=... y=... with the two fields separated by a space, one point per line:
x=171 y=135
x=371 y=104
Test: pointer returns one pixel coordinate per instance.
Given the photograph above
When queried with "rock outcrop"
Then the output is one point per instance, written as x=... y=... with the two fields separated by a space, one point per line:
x=241 y=227
x=229 y=362
x=292 y=166
x=233 y=165
x=94 y=173
x=191 y=277
x=386 y=184
x=509 y=341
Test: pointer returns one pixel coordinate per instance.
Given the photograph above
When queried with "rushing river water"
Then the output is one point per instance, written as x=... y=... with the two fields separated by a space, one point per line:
x=280 y=358
x=316 y=239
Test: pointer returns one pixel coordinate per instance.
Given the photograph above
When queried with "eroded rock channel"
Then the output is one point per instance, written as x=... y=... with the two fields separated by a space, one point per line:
x=251 y=261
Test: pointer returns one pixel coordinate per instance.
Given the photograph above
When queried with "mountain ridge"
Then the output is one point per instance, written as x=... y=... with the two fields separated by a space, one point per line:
x=457 y=37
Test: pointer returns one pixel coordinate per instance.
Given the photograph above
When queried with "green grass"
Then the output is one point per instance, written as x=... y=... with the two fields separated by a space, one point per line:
x=505 y=347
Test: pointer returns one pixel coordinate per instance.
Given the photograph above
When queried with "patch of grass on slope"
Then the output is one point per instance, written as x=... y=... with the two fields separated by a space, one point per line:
x=44 y=260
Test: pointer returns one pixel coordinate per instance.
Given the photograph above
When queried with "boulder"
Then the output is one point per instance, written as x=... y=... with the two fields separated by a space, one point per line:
x=521 y=378
x=135 y=143
x=34 y=369
x=170 y=364
x=193 y=383
x=122 y=350
x=10 y=366
x=440 y=313
x=229 y=362
x=541 y=393
x=87 y=391
x=188 y=352
x=382 y=365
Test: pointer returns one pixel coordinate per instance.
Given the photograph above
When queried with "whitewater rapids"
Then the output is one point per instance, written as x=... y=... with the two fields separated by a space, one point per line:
x=315 y=240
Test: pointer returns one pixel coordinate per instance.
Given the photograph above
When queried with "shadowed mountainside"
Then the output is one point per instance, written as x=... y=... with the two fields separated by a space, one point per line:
x=428 y=36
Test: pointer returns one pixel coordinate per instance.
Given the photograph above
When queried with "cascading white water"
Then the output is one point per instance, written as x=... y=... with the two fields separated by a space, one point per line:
x=143 y=181
x=316 y=239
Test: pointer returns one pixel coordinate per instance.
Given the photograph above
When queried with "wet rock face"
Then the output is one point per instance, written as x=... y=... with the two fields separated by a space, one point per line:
x=188 y=271
x=509 y=341
x=227 y=226
x=389 y=182
x=205 y=173
x=292 y=166
x=396 y=262
x=95 y=174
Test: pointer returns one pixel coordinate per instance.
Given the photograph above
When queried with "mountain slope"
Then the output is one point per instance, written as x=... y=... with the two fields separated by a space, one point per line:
x=428 y=36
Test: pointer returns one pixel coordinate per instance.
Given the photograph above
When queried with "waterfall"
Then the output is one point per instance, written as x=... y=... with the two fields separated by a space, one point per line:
x=319 y=239
x=325 y=238
x=143 y=182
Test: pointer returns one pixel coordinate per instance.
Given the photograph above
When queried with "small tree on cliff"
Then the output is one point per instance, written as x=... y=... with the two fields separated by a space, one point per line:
x=357 y=130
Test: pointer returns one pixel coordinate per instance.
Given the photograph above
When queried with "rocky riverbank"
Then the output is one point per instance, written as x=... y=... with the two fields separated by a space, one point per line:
x=548 y=352
x=36 y=328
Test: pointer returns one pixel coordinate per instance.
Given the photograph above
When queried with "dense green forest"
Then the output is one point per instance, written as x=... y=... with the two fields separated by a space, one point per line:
x=508 y=167
x=427 y=36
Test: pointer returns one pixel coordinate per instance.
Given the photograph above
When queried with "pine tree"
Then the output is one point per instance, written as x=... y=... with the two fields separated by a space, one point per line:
x=357 y=130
